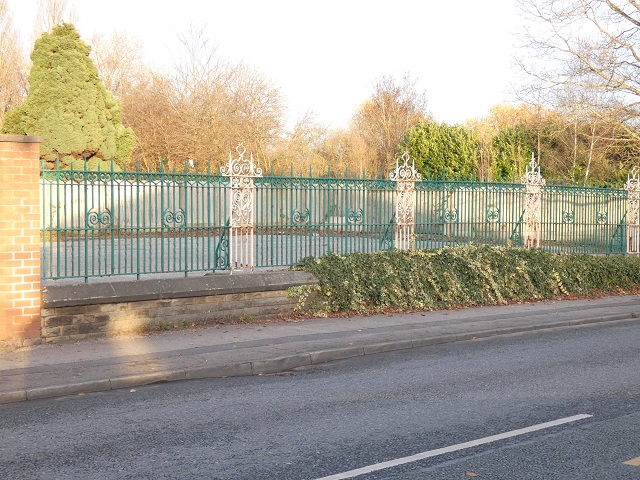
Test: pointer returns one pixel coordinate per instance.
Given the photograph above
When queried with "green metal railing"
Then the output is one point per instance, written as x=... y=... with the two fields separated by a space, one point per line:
x=578 y=219
x=457 y=212
x=131 y=223
x=302 y=217
x=141 y=222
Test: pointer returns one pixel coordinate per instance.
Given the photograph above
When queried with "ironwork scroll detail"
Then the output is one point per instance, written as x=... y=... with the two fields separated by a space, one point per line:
x=386 y=241
x=602 y=218
x=355 y=217
x=568 y=216
x=533 y=182
x=406 y=176
x=450 y=216
x=221 y=253
x=173 y=218
x=492 y=215
x=99 y=219
x=633 y=211
x=301 y=217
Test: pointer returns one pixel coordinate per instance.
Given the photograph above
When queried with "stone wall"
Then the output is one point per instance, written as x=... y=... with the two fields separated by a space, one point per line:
x=74 y=312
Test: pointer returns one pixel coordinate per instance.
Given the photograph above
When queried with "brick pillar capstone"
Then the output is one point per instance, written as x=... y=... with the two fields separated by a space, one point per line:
x=20 y=295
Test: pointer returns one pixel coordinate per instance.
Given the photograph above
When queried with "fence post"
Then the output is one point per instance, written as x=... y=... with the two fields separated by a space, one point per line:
x=533 y=182
x=633 y=211
x=20 y=296
x=405 y=176
x=241 y=208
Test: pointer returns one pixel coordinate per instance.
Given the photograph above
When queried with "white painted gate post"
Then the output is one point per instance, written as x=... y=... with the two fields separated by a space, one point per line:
x=533 y=181
x=633 y=212
x=241 y=207
x=405 y=176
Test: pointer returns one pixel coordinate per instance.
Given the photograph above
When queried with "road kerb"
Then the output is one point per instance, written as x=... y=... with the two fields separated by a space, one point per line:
x=146 y=378
x=387 y=346
x=69 y=389
x=235 y=370
x=606 y=318
x=281 y=364
x=463 y=337
x=13 y=397
x=330 y=355
x=429 y=341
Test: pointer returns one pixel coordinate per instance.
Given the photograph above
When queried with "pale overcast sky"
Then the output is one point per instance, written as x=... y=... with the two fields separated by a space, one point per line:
x=325 y=56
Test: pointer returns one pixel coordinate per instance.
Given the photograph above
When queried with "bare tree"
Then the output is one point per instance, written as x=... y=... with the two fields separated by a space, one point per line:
x=12 y=64
x=256 y=107
x=587 y=50
x=150 y=110
x=345 y=150
x=203 y=108
x=51 y=13
x=385 y=118
x=298 y=149
x=119 y=60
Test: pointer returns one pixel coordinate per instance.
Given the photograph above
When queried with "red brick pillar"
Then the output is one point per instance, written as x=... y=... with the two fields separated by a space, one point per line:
x=20 y=239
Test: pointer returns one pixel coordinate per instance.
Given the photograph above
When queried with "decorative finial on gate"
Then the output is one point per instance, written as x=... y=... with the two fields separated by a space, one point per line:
x=241 y=167
x=405 y=172
x=633 y=180
x=532 y=174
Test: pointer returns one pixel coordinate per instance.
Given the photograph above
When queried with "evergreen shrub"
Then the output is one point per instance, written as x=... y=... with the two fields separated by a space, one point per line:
x=68 y=105
x=464 y=276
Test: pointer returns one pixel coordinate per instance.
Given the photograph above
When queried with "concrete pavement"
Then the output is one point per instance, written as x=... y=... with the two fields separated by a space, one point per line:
x=53 y=370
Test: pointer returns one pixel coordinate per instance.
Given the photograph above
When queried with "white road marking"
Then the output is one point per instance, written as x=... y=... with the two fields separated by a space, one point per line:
x=453 y=448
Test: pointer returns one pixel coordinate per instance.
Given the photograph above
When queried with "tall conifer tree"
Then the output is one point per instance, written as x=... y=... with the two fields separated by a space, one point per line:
x=68 y=104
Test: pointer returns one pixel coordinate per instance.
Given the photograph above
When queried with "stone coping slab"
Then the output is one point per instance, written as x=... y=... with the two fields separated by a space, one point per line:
x=55 y=296
x=20 y=138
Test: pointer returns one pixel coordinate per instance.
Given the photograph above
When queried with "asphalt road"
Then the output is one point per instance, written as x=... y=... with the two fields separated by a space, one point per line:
x=321 y=421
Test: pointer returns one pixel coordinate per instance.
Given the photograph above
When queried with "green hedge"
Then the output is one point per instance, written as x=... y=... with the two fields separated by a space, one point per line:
x=464 y=276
